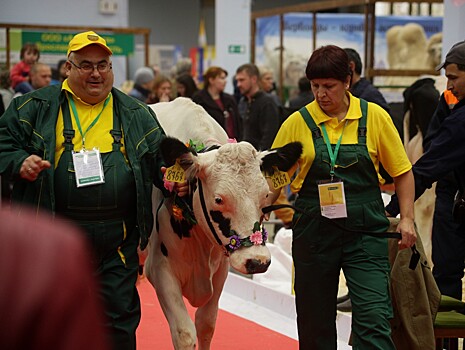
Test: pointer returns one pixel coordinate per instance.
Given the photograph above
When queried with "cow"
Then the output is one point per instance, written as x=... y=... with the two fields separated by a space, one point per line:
x=196 y=239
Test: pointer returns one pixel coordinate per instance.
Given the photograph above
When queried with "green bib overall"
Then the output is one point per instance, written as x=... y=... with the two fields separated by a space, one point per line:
x=107 y=214
x=320 y=249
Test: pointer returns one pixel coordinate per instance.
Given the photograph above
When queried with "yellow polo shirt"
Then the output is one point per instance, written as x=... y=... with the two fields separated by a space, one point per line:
x=383 y=141
x=98 y=136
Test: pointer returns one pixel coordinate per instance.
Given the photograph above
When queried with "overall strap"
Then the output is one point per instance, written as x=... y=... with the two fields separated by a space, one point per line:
x=316 y=132
x=116 y=133
x=362 y=124
x=68 y=131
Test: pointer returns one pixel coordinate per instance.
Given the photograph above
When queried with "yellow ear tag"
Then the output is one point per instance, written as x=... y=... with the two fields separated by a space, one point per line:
x=175 y=173
x=280 y=179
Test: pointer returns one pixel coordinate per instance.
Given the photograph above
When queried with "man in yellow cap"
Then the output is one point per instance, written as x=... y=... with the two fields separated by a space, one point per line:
x=87 y=152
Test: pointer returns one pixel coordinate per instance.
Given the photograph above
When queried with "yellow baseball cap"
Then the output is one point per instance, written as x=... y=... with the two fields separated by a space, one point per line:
x=81 y=40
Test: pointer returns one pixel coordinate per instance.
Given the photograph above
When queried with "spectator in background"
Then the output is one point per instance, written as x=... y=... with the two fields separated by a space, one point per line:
x=304 y=97
x=219 y=104
x=49 y=295
x=19 y=74
x=259 y=113
x=143 y=84
x=261 y=121
x=59 y=74
x=360 y=87
x=6 y=91
x=267 y=84
x=40 y=76
x=161 y=91
x=186 y=85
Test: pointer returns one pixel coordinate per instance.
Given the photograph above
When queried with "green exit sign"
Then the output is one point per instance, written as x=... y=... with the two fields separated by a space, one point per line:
x=236 y=48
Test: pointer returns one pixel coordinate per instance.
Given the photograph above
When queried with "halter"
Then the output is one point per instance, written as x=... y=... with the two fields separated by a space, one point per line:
x=235 y=242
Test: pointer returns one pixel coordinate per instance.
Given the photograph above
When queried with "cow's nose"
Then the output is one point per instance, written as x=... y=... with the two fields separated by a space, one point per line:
x=256 y=266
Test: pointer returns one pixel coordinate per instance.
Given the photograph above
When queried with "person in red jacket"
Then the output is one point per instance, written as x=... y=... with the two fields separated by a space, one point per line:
x=19 y=74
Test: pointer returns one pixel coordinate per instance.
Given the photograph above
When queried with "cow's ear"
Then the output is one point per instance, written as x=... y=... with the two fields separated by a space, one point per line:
x=283 y=158
x=171 y=149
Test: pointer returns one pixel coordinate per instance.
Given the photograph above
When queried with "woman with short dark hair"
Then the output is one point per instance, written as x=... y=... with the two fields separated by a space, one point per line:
x=344 y=139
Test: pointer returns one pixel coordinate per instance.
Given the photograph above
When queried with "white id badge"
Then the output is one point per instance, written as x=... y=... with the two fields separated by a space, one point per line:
x=88 y=168
x=332 y=200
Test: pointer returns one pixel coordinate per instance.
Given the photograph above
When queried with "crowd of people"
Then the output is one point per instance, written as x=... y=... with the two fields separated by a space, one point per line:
x=341 y=119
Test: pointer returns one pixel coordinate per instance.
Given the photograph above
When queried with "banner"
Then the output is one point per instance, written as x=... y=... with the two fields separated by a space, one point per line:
x=57 y=43
x=344 y=30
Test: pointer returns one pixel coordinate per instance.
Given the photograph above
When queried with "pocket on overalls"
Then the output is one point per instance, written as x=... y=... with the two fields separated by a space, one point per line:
x=93 y=197
x=305 y=223
x=346 y=158
x=375 y=221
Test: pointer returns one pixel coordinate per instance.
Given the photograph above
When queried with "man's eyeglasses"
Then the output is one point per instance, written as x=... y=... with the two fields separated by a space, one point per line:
x=103 y=67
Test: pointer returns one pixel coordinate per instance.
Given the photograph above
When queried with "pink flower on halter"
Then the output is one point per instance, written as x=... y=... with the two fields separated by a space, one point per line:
x=256 y=238
x=169 y=185
x=232 y=141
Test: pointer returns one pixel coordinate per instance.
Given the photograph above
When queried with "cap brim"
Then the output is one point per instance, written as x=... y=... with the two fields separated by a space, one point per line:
x=106 y=48
x=439 y=67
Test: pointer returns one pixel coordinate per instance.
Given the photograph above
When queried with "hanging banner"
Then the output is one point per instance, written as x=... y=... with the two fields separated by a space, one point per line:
x=344 y=30
x=57 y=43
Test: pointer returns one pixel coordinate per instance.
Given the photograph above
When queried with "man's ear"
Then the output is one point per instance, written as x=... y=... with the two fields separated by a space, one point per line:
x=352 y=66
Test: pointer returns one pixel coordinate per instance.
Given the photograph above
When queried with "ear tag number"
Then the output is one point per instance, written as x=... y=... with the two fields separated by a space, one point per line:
x=280 y=179
x=175 y=173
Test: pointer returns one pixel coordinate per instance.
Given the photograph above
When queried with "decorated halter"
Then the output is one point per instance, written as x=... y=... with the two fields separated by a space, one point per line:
x=259 y=234
x=258 y=237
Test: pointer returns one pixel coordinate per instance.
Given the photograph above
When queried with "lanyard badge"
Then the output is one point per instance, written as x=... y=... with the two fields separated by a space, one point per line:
x=88 y=168
x=331 y=192
x=87 y=163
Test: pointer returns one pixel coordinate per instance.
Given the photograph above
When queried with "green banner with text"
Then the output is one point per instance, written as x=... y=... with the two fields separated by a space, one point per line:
x=57 y=43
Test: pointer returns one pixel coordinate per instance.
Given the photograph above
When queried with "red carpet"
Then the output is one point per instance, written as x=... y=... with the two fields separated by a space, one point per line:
x=232 y=332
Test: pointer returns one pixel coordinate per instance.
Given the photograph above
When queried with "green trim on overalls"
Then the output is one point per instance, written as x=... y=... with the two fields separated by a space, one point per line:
x=321 y=249
x=107 y=214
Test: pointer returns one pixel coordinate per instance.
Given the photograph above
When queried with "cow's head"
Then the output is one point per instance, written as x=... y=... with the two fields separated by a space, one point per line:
x=229 y=193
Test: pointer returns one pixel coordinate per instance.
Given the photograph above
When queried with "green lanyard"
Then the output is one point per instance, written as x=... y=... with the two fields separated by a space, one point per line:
x=332 y=155
x=76 y=117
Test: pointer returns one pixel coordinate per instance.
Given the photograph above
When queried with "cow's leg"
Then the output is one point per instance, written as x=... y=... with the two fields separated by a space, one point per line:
x=205 y=316
x=168 y=289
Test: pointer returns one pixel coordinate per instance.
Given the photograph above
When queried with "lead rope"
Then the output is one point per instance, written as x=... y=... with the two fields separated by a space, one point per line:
x=415 y=254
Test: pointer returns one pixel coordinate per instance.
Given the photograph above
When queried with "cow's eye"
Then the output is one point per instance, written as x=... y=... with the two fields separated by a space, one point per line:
x=218 y=200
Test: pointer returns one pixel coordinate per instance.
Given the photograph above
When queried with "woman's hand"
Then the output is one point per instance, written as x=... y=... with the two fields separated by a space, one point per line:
x=406 y=227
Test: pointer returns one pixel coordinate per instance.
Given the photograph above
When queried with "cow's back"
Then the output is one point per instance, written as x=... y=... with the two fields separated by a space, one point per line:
x=187 y=120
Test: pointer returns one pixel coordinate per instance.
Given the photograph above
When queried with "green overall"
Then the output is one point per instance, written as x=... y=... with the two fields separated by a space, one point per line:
x=320 y=249
x=107 y=214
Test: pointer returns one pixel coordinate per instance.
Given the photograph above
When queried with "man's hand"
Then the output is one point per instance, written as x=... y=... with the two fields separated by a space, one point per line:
x=181 y=188
x=32 y=166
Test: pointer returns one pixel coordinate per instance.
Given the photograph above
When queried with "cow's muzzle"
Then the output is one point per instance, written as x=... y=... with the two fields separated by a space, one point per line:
x=256 y=266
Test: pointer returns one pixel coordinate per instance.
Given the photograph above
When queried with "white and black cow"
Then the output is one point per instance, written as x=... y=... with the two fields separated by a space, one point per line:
x=218 y=225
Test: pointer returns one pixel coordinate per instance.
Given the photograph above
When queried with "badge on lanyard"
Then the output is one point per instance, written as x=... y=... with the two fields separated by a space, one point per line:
x=87 y=164
x=88 y=168
x=332 y=199
x=332 y=196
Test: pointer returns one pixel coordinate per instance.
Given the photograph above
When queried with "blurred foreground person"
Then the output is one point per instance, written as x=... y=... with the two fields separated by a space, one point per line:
x=48 y=295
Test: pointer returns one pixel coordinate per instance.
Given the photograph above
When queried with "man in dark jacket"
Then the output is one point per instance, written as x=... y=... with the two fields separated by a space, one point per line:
x=259 y=113
x=446 y=152
x=89 y=153
x=360 y=87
